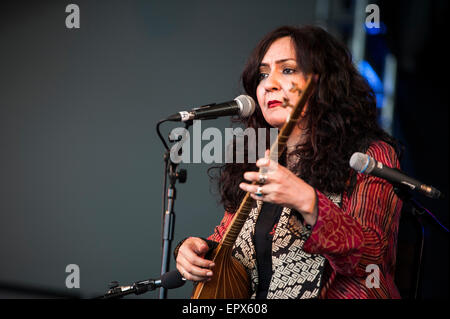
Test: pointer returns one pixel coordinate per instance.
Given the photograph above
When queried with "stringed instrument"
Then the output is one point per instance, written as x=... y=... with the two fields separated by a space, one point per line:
x=230 y=279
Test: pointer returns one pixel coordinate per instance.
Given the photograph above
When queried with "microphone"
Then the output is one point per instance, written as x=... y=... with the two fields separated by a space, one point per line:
x=365 y=164
x=243 y=106
x=168 y=280
x=172 y=279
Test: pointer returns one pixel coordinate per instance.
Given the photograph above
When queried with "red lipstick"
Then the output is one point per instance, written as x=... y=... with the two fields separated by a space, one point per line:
x=273 y=103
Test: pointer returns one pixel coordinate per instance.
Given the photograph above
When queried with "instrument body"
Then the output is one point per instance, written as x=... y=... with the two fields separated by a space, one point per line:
x=230 y=279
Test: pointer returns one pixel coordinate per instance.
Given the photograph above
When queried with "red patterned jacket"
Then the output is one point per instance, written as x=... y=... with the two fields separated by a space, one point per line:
x=362 y=232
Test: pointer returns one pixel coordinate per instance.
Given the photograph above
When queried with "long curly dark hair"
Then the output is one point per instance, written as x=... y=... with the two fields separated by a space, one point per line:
x=341 y=118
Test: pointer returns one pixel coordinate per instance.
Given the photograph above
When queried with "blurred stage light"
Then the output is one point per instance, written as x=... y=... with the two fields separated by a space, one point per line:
x=373 y=79
x=376 y=31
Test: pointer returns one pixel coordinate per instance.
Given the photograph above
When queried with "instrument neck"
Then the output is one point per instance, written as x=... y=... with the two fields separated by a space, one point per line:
x=276 y=149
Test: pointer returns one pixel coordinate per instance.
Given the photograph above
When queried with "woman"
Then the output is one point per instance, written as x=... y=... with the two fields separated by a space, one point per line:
x=320 y=230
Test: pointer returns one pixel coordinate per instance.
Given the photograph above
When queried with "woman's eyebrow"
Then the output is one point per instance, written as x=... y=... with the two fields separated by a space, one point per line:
x=276 y=62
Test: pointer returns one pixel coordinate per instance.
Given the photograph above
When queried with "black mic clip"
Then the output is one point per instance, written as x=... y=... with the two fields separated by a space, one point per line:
x=115 y=291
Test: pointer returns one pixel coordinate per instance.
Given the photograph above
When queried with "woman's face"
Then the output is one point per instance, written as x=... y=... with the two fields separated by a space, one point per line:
x=278 y=71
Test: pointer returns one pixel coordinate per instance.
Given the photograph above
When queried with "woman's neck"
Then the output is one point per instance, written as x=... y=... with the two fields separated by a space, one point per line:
x=297 y=136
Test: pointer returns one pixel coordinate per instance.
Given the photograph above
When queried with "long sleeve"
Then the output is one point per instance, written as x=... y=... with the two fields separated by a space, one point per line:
x=364 y=230
x=220 y=230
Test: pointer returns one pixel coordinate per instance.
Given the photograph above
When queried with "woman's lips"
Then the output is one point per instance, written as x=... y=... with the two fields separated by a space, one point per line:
x=273 y=103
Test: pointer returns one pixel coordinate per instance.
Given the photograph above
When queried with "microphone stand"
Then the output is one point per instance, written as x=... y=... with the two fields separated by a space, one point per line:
x=418 y=211
x=168 y=219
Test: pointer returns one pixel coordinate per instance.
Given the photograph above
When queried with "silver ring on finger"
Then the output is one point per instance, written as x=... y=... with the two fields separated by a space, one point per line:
x=262 y=179
x=259 y=192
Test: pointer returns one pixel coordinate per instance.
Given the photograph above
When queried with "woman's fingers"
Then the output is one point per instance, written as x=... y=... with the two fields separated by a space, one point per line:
x=197 y=245
x=266 y=161
x=190 y=261
x=265 y=190
x=249 y=187
x=195 y=260
x=191 y=271
x=188 y=276
x=255 y=177
x=266 y=173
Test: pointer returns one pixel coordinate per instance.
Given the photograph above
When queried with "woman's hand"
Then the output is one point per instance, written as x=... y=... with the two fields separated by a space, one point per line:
x=282 y=187
x=190 y=261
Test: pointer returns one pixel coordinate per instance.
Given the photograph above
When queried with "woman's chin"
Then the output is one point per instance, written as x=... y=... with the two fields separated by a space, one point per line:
x=277 y=124
x=277 y=121
x=277 y=117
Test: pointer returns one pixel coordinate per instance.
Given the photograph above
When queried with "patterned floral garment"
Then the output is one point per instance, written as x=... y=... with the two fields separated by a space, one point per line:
x=352 y=238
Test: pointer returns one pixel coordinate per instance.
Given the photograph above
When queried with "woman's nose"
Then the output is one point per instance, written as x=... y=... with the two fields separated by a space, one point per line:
x=272 y=83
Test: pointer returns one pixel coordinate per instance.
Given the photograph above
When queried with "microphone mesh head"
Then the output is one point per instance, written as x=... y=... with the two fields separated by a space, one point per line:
x=358 y=161
x=246 y=104
x=172 y=279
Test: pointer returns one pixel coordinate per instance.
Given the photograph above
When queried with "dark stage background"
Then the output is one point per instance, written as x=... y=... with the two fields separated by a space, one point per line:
x=81 y=164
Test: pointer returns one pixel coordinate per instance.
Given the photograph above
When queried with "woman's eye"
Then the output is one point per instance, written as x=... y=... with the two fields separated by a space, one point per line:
x=288 y=71
x=262 y=76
